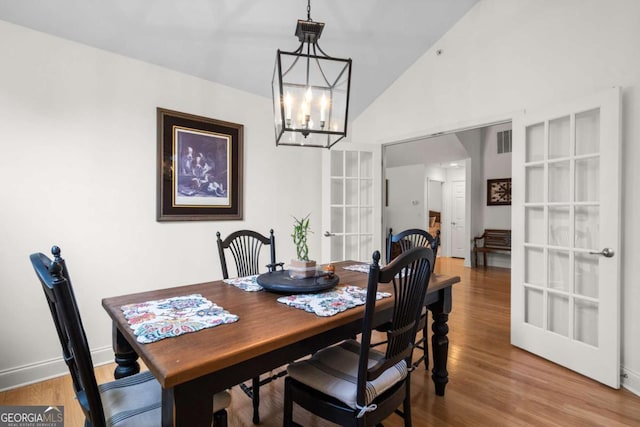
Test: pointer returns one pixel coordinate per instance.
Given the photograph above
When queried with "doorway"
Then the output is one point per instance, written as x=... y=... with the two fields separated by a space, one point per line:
x=463 y=161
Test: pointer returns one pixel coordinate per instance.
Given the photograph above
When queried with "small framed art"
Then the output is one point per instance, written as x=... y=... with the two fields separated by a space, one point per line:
x=498 y=192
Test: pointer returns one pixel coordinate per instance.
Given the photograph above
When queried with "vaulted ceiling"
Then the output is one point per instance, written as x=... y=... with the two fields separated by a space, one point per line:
x=233 y=42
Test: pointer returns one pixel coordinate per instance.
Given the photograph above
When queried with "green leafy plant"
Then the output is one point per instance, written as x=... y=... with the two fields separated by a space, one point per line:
x=300 y=232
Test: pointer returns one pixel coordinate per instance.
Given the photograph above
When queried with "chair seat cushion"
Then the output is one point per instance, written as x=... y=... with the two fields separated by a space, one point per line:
x=136 y=401
x=334 y=372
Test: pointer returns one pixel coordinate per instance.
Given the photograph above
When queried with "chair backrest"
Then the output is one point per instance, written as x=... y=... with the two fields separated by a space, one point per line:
x=411 y=238
x=56 y=284
x=409 y=272
x=245 y=246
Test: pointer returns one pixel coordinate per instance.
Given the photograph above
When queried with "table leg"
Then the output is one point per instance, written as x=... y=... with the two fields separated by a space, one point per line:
x=125 y=357
x=440 y=346
x=186 y=406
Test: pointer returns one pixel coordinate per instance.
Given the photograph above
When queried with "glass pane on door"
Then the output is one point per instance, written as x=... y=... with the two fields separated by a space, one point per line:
x=588 y=132
x=587 y=179
x=558 y=269
x=587 y=227
x=559 y=181
x=366 y=164
x=337 y=219
x=559 y=226
x=534 y=266
x=534 y=143
x=351 y=247
x=558 y=313
x=351 y=164
x=337 y=163
x=366 y=243
x=559 y=143
x=337 y=247
x=337 y=192
x=534 y=231
x=586 y=322
x=351 y=220
x=534 y=179
x=534 y=299
x=366 y=221
x=366 y=192
x=351 y=191
x=586 y=275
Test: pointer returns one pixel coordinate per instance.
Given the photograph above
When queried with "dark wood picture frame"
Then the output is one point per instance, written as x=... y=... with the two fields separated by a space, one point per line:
x=499 y=192
x=200 y=168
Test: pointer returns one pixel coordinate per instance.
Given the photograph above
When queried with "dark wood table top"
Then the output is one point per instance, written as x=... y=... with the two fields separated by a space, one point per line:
x=264 y=326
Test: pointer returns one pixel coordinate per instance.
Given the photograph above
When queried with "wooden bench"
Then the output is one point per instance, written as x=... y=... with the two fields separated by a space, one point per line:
x=493 y=241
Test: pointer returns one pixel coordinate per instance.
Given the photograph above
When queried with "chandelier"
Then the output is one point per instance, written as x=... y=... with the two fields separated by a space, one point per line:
x=310 y=91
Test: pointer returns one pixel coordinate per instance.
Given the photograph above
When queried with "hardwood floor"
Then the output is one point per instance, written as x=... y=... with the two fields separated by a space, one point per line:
x=491 y=383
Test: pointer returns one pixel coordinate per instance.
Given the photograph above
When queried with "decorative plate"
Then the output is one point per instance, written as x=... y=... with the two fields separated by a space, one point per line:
x=281 y=282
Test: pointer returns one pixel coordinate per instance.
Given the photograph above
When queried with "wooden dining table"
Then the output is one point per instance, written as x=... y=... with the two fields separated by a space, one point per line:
x=194 y=366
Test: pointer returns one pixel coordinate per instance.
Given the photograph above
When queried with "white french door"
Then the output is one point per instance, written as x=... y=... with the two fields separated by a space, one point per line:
x=351 y=202
x=565 y=283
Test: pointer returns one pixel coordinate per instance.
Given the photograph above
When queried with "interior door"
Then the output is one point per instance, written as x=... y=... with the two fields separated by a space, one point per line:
x=458 y=204
x=565 y=285
x=351 y=200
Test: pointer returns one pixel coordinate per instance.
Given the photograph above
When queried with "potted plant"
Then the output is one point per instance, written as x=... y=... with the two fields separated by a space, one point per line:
x=301 y=267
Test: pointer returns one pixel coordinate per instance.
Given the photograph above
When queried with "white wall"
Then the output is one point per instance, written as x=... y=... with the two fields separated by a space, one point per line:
x=496 y=166
x=435 y=173
x=472 y=142
x=406 y=186
x=434 y=196
x=508 y=55
x=79 y=170
x=435 y=178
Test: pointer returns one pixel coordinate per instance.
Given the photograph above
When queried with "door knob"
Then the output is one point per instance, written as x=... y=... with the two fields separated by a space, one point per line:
x=327 y=234
x=606 y=252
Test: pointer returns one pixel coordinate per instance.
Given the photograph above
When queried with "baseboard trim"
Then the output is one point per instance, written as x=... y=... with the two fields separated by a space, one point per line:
x=631 y=381
x=47 y=369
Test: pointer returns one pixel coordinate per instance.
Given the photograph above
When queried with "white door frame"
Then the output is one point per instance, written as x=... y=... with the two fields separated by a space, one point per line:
x=472 y=228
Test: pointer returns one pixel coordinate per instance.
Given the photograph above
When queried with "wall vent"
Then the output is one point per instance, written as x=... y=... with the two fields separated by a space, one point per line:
x=504 y=141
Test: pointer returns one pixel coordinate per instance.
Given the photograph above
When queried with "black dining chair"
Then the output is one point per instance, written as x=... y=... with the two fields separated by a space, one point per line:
x=245 y=246
x=133 y=401
x=411 y=238
x=398 y=243
x=353 y=384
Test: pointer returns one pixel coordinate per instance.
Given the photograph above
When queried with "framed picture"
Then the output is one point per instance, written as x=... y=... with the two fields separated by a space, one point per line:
x=199 y=168
x=499 y=191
